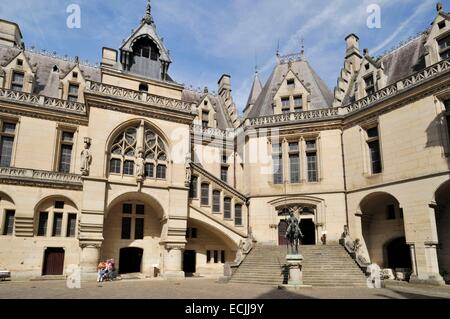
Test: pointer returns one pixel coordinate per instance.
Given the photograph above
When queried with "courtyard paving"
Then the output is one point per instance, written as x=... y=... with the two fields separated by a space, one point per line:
x=203 y=289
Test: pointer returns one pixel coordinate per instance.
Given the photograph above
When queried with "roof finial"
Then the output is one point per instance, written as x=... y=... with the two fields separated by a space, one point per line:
x=256 y=63
x=148 y=14
x=278 y=48
x=302 y=52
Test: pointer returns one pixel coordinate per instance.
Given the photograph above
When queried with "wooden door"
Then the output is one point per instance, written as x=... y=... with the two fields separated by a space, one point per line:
x=282 y=228
x=53 y=262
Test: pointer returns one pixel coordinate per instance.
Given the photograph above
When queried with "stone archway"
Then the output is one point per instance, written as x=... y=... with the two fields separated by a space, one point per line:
x=442 y=209
x=308 y=218
x=383 y=230
x=132 y=230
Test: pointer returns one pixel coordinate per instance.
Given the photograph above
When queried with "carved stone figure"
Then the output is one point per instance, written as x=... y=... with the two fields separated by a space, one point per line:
x=244 y=247
x=86 y=157
x=187 y=165
x=140 y=165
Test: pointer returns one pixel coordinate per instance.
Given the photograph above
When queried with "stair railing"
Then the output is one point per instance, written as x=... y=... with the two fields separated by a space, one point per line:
x=245 y=247
x=355 y=248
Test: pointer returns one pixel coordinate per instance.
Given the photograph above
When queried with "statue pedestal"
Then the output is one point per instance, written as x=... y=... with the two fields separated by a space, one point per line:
x=293 y=269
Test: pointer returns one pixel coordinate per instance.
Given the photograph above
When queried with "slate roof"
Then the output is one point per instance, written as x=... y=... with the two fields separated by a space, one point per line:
x=321 y=96
x=254 y=92
x=47 y=81
x=223 y=120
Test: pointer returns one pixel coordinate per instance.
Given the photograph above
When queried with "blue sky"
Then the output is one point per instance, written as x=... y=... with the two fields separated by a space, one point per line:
x=208 y=38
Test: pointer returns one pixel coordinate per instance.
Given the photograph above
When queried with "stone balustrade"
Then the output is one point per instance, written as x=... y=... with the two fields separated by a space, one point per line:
x=42 y=101
x=136 y=96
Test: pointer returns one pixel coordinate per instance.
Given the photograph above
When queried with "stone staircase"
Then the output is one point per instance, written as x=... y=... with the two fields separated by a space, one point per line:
x=323 y=266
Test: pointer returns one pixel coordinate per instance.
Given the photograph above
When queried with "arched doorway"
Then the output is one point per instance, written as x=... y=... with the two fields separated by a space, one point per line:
x=133 y=221
x=308 y=229
x=130 y=260
x=398 y=254
x=442 y=210
x=53 y=262
x=282 y=228
x=383 y=231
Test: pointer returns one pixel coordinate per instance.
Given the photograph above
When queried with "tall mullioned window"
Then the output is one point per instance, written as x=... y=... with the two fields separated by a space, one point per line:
x=125 y=148
x=298 y=103
x=216 y=201
x=8 y=225
x=277 y=162
x=17 y=81
x=57 y=219
x=7 y=135
x=204 y=194
x=447 y=115
x=133 y=221
x=65 y=153
x=294 y=162
x=285 y=105
x=311 y=158
x=238 y=215
x=73 y=93
x=370 y=84
x=373 y=142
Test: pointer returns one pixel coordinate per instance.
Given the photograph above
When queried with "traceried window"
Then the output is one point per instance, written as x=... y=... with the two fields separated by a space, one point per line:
x=7 y=134
x=444 y=48
x=125 y=149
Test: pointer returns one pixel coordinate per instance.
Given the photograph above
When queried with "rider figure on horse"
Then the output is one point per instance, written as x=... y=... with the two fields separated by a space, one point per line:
x=293 y=232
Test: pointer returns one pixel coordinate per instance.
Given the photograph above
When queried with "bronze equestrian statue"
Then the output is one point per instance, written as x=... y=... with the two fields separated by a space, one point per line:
x=293 y=233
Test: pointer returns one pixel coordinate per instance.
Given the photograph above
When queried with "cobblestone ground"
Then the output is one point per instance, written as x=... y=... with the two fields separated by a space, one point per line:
x=200 y=289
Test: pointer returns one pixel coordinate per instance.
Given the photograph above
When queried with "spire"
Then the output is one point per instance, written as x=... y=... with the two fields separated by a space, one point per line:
x=254 y=92
x=148 y=14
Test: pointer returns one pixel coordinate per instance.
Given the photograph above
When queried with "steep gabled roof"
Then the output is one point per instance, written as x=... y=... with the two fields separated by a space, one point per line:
x=321 y=96
x=147 y=28
x=254 y=92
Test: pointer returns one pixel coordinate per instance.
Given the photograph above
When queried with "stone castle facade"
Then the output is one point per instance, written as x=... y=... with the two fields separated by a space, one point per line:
x=121 y=161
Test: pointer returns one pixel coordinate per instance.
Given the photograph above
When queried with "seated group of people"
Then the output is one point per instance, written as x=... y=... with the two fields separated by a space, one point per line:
x=106 y=270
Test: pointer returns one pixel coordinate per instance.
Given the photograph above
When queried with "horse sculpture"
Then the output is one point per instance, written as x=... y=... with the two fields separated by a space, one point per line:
x=293 y=234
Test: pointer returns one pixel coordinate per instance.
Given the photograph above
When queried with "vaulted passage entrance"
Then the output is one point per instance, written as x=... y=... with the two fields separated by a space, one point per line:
x=442 y=210
x=130 y=260
x=53 y=262
x=383 y=231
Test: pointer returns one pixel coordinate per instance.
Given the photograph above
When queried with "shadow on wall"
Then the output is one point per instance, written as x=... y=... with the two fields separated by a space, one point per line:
x=438 y=133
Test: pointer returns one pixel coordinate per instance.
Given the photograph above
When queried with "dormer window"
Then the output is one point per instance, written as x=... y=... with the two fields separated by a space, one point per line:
x=143 y=87
x=19 y=62
x=370 y=85
x=444 y=48
x=55 y=68
x=291 y=83
x=146 y=48
x=367 y=66
x=441 y=25
x=17 y=81
x=75 y=75
x=205 y=103
x=73 y=93
x=285 y=105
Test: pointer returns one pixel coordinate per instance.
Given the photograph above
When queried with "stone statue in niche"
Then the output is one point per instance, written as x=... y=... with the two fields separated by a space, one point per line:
x=86 y=157
x=187 y=165
x=140 y=166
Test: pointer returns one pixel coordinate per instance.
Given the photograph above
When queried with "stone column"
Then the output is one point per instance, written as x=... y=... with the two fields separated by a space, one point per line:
x=413 y=259
x=427 y=264
x=173 y=261
x=89 y=259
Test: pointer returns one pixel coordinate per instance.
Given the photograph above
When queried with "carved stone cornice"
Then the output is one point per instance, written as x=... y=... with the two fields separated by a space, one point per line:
x=30 y=177
x=144 y=104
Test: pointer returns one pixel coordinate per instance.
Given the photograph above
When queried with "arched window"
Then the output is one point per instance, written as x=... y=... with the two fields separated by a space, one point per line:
x=146 y=48
x=56 y=218
x=125 y=148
